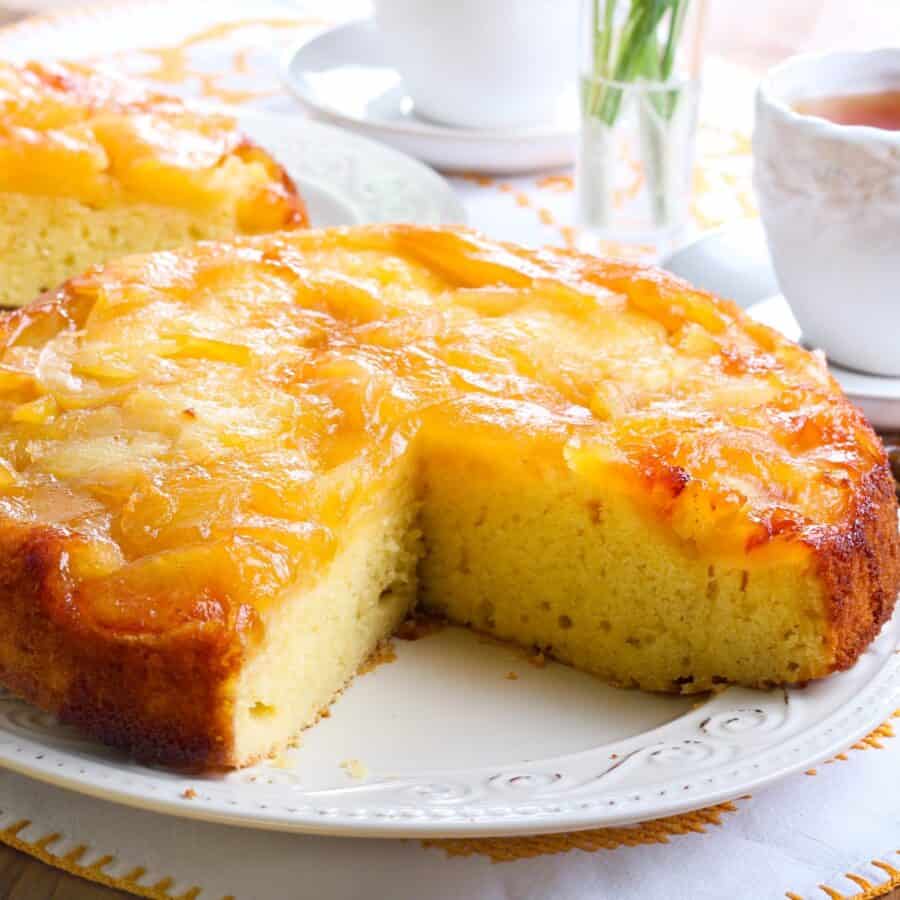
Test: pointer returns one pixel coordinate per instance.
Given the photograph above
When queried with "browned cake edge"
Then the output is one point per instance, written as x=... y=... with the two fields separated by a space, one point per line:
x=296 y=215
x=162 y=698
x=860 y=566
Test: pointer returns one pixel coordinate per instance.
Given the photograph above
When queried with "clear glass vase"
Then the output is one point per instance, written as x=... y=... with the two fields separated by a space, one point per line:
x=639 y=96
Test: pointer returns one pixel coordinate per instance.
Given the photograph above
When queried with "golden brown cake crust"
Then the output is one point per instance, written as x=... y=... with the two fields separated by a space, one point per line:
x=860 y=566
x=160 y=698
x=150 y=672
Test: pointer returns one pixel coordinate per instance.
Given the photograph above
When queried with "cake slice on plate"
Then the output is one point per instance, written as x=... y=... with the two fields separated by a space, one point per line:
x=229 y=472
x=93 y=167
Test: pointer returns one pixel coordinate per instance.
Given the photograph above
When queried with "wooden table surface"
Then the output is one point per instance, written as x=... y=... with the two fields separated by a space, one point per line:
x=25 y=878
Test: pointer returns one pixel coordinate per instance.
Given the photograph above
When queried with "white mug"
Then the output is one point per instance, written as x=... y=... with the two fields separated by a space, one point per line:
x=482 y=63
x=829 y=196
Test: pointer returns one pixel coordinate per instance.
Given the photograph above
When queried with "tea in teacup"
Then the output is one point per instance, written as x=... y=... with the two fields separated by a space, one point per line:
x=875 y=110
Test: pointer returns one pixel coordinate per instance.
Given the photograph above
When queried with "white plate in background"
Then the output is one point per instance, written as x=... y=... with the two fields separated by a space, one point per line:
x=347 y=180
x=343 y=76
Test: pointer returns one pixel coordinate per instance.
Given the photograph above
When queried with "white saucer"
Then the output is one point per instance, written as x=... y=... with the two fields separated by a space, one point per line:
x=342 y=75
x=734 y=262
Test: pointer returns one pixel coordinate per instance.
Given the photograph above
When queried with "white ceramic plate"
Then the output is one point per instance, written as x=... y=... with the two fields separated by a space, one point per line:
x=342 y=75
x=451 y=746
x=734 y=262
x=346 y=180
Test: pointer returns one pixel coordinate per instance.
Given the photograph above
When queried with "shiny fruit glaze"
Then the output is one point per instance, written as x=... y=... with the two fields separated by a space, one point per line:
x=67 y=130
x=202 y=423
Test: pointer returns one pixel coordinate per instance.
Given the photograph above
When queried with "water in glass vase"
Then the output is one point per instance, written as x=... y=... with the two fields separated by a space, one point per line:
x=635 y=158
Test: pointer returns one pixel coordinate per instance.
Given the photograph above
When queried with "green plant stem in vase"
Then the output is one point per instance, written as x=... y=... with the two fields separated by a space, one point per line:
x=637 y=113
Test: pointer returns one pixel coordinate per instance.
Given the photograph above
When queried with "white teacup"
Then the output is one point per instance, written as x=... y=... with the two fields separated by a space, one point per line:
x=829 y=196
x=482 y=63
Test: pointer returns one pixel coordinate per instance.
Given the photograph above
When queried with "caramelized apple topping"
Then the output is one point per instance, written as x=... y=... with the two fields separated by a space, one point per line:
x=68 y=130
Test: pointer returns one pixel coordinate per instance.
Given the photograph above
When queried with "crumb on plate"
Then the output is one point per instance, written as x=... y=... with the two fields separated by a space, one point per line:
x=354 y=768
